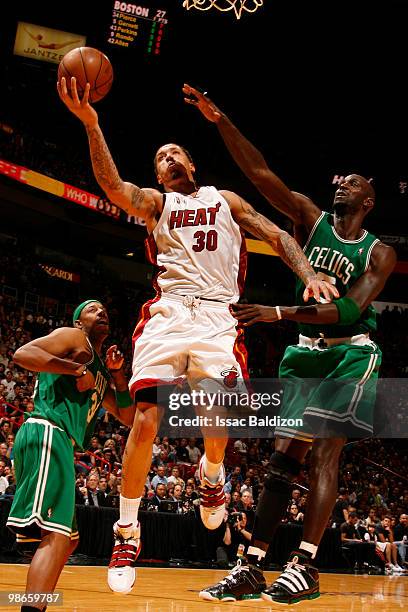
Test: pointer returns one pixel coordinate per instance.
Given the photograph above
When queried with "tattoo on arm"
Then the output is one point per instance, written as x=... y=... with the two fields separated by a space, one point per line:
x=287 y=247
x=102 y=163
x=256 y=224
x=137 y=197
x=294 y=257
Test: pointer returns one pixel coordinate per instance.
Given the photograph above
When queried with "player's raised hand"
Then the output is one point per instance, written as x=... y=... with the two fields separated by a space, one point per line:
x=202 y=102
x=114 y=358
x=79 y=107
x=320 y=290
x=248 y=314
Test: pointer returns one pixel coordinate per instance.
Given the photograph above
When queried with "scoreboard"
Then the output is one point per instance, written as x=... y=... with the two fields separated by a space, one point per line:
x=136 y=25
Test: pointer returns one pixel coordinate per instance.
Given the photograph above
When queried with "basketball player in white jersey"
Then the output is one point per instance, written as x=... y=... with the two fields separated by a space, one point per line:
x=187 y=330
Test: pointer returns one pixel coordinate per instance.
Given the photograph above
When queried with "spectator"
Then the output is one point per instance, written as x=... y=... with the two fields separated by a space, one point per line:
x=340 y=511
x=236 y=502
x=175 y=477
x=9 y=384
x=236 y=533
x=194 y=454
x=4 y=483
x=353 y=537
x=372 y=518
x=5 y=430
x=401 y=536
x=160 y=495
x=103 y=486
x=182 y=452
x=91 y=495
x=294 y=516
x=247 y=486
x=169 y=450
x=236 y=475
x=3 y=454
x=385 y=534
x=162 y=459
x=230 y=484
x=160 y=477
x=156 y=447
x=296 y=495
x=240 y=447
x=107 y=459
x=94 y=444
x=10 y=444
x=189 y=497
x=113 y=495
x=178 y=497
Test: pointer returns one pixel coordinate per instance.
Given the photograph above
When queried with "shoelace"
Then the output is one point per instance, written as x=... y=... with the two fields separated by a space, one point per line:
x=292 y=568
x=294 y=564
x=235 y=570
x=212 y=496
x=123 y=553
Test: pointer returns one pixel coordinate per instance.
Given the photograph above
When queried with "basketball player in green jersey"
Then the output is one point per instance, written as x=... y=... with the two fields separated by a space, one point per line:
x=73 y=383
x=334 y=344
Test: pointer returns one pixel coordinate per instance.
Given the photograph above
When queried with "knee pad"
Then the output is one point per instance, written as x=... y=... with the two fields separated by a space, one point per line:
x=282 y=471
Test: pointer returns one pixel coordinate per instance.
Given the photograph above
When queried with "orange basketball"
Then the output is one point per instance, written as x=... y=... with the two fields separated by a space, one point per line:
x=87 y=65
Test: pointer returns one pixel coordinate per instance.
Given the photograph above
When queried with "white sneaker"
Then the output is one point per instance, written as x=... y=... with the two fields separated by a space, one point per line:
x=126 y=549
x=398 y=568
x=212 y=499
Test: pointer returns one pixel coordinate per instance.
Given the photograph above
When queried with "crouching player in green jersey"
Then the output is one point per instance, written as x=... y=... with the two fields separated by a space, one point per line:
x=73 y=383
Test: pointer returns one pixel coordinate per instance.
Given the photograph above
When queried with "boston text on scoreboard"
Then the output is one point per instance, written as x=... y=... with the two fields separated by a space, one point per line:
x=135 y=25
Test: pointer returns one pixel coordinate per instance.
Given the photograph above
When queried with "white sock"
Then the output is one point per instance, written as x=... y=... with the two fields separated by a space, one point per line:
x=256 y=552
x=211 y=470
x=128 y=510
x=311 y=548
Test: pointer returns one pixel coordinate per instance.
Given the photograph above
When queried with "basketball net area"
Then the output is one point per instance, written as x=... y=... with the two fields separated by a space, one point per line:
x=238 y=6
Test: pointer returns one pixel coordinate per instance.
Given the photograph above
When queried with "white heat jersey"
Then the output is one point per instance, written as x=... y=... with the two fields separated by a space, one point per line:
x=198 y=247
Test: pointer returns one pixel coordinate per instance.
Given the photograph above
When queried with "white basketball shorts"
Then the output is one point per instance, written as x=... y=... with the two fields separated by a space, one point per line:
x=182 y=338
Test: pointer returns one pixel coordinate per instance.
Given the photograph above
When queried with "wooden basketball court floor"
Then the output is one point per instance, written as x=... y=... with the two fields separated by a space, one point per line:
x=84 y=589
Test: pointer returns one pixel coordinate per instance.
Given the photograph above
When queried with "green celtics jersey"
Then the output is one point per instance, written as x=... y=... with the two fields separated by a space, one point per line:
x=57 y=398
x=340 y=262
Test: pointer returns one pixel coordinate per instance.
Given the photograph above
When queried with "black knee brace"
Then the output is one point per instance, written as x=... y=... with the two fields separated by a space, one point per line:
x=282 y=470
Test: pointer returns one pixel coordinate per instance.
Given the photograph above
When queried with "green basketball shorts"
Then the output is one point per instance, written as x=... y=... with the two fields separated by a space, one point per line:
x=45 y=477
x=329 y=392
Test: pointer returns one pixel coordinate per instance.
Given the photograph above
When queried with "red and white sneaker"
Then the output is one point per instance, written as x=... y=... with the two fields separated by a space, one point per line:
x=212 y=499
x=126 y=549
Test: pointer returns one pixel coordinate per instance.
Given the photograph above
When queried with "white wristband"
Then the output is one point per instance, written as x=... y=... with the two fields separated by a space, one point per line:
x=278 y=312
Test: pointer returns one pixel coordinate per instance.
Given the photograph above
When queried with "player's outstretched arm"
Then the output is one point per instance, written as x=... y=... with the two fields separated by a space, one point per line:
x=344 y=311
x=144 y=203
x=286 y=246
x=300 y=209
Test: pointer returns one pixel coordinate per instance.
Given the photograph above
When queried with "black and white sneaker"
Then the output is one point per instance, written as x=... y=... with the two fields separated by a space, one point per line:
x=298 y=581
x=243 y=583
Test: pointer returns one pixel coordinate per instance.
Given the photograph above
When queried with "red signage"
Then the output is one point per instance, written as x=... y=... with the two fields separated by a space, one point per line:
x=60 y=273
x=58 y=188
